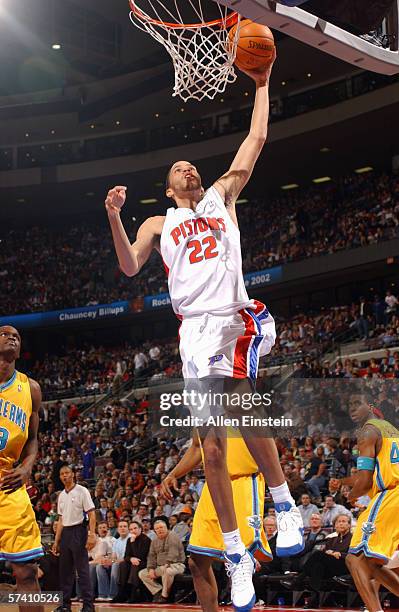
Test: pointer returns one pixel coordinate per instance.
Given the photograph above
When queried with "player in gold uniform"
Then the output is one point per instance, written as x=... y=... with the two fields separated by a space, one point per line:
x=206 y=541
x=20 y=399
x=376 y=536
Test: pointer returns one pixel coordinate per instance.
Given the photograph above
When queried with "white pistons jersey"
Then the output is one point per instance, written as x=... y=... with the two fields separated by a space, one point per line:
x=202 y=253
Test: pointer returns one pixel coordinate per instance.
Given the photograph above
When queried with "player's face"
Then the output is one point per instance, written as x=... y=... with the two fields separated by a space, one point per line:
x=359 y=410
x=10 y=342
x=183 y=178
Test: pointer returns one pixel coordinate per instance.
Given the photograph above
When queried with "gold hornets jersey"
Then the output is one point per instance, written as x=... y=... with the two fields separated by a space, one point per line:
x=15 y=411
x=239 y=460
x=386 y=472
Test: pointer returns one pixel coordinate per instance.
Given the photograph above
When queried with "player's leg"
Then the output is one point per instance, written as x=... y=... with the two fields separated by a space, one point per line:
x=263 y=449
x=27 y=581
x=239 y=562
x=213 y=442
x=389 y=578
x=204 y=581
x=362 y=574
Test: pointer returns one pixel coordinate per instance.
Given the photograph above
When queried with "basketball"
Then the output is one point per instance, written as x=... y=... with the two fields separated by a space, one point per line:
x=255 y=45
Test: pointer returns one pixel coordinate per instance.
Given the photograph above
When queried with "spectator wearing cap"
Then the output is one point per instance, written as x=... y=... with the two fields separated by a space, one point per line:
x=166 y=559
x=181 y=529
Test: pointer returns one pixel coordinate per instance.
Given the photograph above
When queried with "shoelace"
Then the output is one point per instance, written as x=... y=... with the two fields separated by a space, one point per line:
x=238 y=569
x=285 y=517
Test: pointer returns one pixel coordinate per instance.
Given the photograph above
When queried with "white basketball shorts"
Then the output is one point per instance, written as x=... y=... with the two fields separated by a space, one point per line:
x=226 y=346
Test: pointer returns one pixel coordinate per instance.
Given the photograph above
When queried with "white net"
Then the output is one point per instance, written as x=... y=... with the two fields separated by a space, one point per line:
x=202 y=53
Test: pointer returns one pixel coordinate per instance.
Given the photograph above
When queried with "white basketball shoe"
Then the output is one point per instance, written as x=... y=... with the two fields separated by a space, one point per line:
x=240 y=569
x=290 y=540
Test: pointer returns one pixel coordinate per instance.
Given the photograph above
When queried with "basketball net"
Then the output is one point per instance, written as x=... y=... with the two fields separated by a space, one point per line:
x=201 y=52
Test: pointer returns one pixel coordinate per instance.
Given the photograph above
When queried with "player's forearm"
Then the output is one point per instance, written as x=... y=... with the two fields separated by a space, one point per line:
x=127 y=258
x=260 y=114
x=29 y=453
x=190 y=460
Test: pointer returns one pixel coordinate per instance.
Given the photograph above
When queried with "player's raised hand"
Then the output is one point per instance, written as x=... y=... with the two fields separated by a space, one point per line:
x=261 y=76
x=115 y=200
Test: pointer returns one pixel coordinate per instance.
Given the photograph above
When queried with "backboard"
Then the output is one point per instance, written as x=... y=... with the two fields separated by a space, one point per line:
x=317 y=32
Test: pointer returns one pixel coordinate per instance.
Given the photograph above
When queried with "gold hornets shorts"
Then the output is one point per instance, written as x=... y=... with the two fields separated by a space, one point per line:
x=248 y=494
x=377 y=530
x=19 y=532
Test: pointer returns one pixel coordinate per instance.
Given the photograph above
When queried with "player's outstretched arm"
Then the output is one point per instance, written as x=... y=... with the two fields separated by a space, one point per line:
x=131 y=257
x=232 y=183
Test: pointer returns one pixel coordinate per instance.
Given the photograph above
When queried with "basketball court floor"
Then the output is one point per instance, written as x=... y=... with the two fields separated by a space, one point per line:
x=106 y=607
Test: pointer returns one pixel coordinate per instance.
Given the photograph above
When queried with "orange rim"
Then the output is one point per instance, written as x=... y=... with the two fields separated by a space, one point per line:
x=228 y=22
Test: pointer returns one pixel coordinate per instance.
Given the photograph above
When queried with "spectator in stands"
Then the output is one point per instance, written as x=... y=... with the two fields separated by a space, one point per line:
x=196 y=486
x=391 y=302
x=102 y=549
x=40 y=512
x=316 y=473
x=362 y=322
x=324 y=564
x=150 y=533
x=306 y=509
x=181 y=529
x=89 y=462
x=108 y=568
x=314 y=540
x=334 y=490
x=166 y=559
x=136 y=553
x=331 y=510
x=140 y=363
x=101 y=513
x=294 y=481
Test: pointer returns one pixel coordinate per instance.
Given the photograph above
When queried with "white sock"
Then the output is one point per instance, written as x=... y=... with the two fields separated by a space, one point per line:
x=233 y=543
x=281 y=494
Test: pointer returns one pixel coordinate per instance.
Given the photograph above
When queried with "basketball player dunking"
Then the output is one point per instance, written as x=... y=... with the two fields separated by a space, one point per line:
x=223 y=332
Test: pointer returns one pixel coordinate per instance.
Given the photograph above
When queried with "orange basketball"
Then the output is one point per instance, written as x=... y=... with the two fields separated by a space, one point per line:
x=255 y=45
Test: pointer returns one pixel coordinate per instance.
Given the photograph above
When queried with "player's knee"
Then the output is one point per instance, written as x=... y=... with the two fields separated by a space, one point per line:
x=25 y=573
